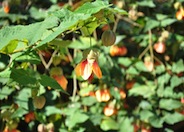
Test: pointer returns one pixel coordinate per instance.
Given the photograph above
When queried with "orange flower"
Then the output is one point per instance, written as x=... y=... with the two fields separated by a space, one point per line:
x=29 y=117
x=103 y=95
x=88 y=66
x=61 y=80
x=6 y=6
x=57 y=74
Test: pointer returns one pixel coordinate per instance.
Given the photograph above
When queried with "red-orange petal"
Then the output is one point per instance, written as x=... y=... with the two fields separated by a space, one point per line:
x=97 y=70
x=84 y=69
x=79 y=69
x=62 y=81
x=87 y=71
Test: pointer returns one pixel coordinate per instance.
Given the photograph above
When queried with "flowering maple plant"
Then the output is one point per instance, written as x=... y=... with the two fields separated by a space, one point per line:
x=89 y=66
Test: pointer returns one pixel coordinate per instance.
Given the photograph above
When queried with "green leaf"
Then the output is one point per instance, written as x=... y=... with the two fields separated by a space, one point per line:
x=23 y=77
x=109 y=124
x=150 y=24
x=156 y=122
x=47 y=81
x=145 y=105
x=12 y=45
x=44 y=34
x=160 y=69
x=140 y=66
x=71 y=109
x=145 y=115
x=164 y=79
x=126 y=125
x=76 y=118
x=125 y=61
x=172 y=118
x=169 y=104
x=161 y=17
x=168 y=130
x=146 y=3
x=49 y=110
x=88 y=101
x=28 y=56
x=96 y=118
x=60 y=42
x=92 y=7
x=37 y=13
x=132 y=70
x=178 y=66
x=19 y=113
x=5 y=74
x=71 y=19
x=143 y=90
x=168 y=92
x=175 y=81
x=82 y=43
x=167 y=22
x=119 y=10
x=88 y=29
x=5 y=92
x=22 y=33
x=23 y=97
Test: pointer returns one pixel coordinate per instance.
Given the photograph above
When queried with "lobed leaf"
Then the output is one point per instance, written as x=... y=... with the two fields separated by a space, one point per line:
x=169 y=104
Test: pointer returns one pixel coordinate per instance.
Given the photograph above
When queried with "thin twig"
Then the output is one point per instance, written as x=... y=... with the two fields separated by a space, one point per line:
x=47 y=65
x=74 y=80
x=150 y=45
x=130 y=21
x=144 y=52
x=158 y=60
x=42 y=60
x=51 y=59
x=95 y=34
x=116 y=23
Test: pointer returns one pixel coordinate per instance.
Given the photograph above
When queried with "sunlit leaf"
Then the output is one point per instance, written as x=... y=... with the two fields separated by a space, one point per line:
x=49 y=110
x=20 y=33
x=146 y=3
x=178 y=66
x=132 y=70
x=145 y=115
x=145 y=105
x=23 y=97
x=156 y=121
x=175 y=81
x=19 y=113
x=172 y=118
x=108 y=124
x=167 y=22
x=143 y=90
x=124 y=61
x=5 y=92
x=140 y=66
x=150 y=24
x=169 y=104
x=91 y=8
x=120 y=11
x=126 y=125
x=76 y=118
x=88 y=101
